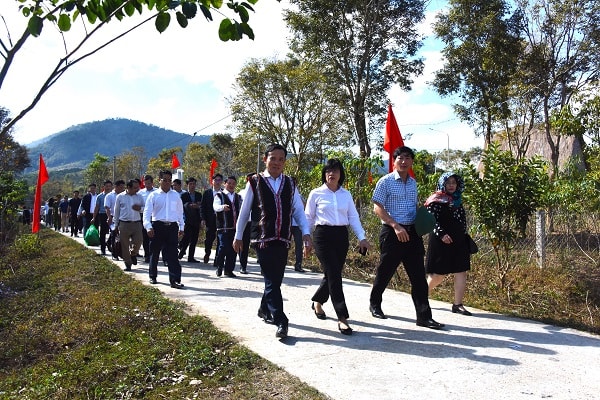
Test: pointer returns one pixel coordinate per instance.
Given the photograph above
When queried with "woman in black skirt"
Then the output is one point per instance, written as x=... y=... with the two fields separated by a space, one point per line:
x=448 y=251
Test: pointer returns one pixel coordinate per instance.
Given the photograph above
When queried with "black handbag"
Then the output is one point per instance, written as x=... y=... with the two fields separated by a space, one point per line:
x=473 y=248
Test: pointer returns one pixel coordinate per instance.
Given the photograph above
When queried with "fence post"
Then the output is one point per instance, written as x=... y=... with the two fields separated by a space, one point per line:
x=540 y=237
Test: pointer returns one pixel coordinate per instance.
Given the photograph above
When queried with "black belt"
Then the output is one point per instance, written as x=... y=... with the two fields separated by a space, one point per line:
x=127 y=222
x=164 y=223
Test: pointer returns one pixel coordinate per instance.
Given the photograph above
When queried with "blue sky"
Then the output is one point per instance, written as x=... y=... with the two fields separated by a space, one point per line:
x=180 y=79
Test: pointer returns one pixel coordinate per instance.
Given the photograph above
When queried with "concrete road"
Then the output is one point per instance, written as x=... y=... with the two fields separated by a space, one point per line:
x=486 y=356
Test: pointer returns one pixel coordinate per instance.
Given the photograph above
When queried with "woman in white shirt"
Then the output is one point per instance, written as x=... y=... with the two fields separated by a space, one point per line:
x=330 y=209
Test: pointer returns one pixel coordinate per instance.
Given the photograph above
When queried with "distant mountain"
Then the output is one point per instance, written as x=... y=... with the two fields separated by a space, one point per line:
x=74 y=147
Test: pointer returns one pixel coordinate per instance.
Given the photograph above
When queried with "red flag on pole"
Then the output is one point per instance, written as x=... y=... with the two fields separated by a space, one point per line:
x=393 y=139
x=142 y=182
x=213 y=166
x=37 y=203
x=174 y=161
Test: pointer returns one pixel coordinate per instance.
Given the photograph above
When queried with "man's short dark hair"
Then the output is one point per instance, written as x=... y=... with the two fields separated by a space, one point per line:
x=404 y=150
x=131 y=182
x=107 y=181
x=148 y=178
x=273 y=147
x=217 y=175
x=177 y=181
x=165 y=172
x=190 y=179
x=119 y=182
x=92 y=184
x=232 y=177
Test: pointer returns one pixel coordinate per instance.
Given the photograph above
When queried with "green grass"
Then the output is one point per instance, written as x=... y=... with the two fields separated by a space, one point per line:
x=73 y=326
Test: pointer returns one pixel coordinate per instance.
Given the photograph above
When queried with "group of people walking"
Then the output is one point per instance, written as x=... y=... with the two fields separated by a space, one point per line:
x=262 y=216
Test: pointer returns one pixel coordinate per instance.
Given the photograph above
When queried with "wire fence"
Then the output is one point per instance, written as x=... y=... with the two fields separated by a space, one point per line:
x=555 y=237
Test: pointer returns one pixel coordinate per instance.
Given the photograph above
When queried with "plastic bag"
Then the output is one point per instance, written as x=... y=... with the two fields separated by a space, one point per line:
x=92 y=237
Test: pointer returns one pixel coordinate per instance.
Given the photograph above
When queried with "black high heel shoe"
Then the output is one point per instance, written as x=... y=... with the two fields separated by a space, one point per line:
x=320 y=315
x=460 y=309
x=344 y=331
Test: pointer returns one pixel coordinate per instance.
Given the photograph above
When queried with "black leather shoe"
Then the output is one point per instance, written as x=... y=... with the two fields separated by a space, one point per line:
x=320 y=315
x=127 y=267
x=176 y=285
x=230 y=274
x=429 y=323
x=193 y=261
x=133 y=260
x=219 y=271
x=460 y=309
x=153 y=281
x=377 y=312
x=282 y=331
x=206 y=258
x=180 y=255
x=265 y=317
x=243 y=271
x=299 y=269
x=345 y=331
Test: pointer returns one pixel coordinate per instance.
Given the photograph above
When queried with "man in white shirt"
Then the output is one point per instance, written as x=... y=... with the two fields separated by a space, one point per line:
x=163 y=220
x=109 y=206
x=128 y=222
x=145 y=192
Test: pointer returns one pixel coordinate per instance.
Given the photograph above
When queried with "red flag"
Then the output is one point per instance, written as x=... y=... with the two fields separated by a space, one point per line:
x=393 y=139
x=37 y=203
x=174 y=161
x=213 y=166
x=142 y=182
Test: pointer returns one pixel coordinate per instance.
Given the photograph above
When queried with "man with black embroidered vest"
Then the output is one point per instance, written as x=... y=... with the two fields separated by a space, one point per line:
x=272 y=200
x=208 y=215
x=227 y=205
x=163 y=220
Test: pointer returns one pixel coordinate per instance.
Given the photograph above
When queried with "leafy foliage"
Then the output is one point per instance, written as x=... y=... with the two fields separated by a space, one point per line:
x=481 y=52
x=363 y=47
x=98 y=171
x=287 y=102
x=503 y=198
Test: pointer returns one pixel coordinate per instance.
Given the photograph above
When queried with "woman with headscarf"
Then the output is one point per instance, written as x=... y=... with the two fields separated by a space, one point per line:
x=448 y=249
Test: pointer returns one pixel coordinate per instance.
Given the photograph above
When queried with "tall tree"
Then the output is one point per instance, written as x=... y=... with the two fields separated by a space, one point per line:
x=287 y=102
x=363 y=47
x=481 y=52
x=13 y=156
x=562 y=57
x=131 y=164
x=95 y=15
x=99 y=170
x=196 y=162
